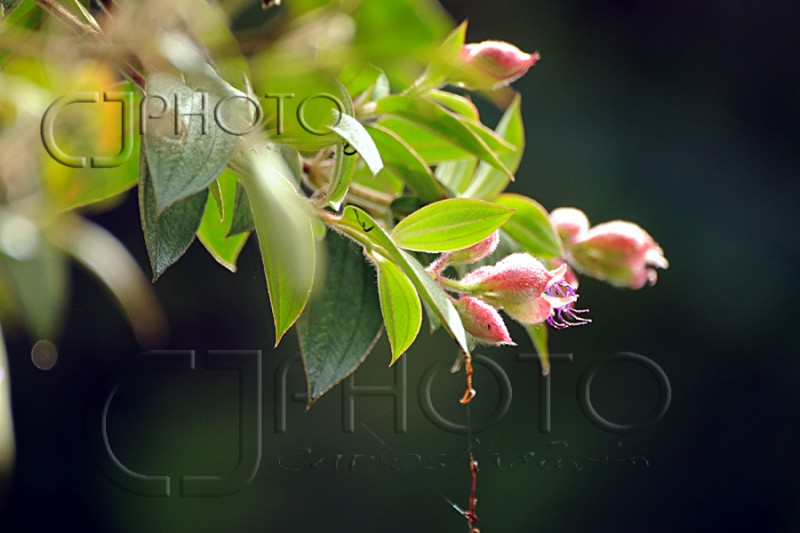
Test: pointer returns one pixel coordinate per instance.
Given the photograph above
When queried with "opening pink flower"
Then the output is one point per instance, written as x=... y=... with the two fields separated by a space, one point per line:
x=619 y=252
x=516 y=279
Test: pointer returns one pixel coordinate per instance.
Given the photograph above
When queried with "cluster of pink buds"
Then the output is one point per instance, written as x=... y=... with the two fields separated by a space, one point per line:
x=618 y=252
x=519 y=284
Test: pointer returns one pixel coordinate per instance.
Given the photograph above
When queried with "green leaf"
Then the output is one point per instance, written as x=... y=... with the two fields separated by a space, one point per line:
x=431 y=147
x=344 y=164
x=489 y=182
x=463 y=132
x=361 y=227
x=342 y=322
x=538 y=335
x=443 y=62
x=187 y=148
x=351 y=130
x=402 y=312
x=285 y=237
x=530 y=227
x=455 y=103
x=169 y=234
x=8 y=6
x=36 y=277
x=213 y=231
x=457 y=175
x=242 y=215
x=401 y=158
x=449 y=225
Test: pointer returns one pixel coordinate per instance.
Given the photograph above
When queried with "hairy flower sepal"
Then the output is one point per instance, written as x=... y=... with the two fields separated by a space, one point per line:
x=482 y=321
x=517 y=279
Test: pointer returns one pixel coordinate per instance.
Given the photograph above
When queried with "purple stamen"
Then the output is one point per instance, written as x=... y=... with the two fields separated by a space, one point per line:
x=566 y=315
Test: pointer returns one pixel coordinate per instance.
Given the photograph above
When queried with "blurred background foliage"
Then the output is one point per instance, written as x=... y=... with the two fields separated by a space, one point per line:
x=681 y=116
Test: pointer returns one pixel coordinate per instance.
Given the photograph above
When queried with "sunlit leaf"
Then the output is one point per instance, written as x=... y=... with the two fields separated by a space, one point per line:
x=406 y=163
x=463 y=132
x=530 y=227
x=362 y=228
x=213 y=231
x=488 y=181
x=285 y=237
x=449 y=225
x=538 y=335
x=400 y=306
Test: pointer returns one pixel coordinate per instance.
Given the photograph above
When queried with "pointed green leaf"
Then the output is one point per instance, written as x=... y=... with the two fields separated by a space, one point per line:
x=342 y=322
x=402 y=312
x=285 y=237
x=351 y=130
x=343 y=164
x=538 y=335
x=401 y=158
x=213 y=231
x=186 y=146
x=169 y=234
x=530 y=227
x=430 y=146
x=457 y=175
x=361 y=227
x=448 y=55
x=467 y=134
x=455 y=103
x=449 y=225
x=489 y=182
x=242 y=215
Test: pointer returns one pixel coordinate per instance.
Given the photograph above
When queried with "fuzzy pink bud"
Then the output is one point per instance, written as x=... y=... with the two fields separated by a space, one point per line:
x=503 y=61
x=482 y=321
x=619 y=252
x=516 y=279
x=476 y=252
x=571 y=224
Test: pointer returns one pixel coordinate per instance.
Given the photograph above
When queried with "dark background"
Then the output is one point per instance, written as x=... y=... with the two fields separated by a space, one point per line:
x=682 y=116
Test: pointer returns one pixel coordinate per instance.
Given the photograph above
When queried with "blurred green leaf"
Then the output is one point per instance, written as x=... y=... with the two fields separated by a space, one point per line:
x=430 y=146
x=285 y=237
x=169 y=234
x=342 y=322
x=538 y=335
x=446 y=57
x=36 y=275
x=449 y=225
x=8 y=6
x=107 y=259
x=460 y=131
x=488 y=181
x=351 y=130
x=406 y=163
x=457 y=175
x=213 y=231
x=186 y=148
x=361 y=227
x=454 y=102
x=530 y=227
x=402 y=312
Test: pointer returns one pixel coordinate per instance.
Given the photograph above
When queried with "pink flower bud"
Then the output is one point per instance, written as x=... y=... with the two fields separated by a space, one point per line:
x=571 y=224
x=516 y=279
x=503 y=61
x=619 y=252
x=482 y=321
x=476 y=252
